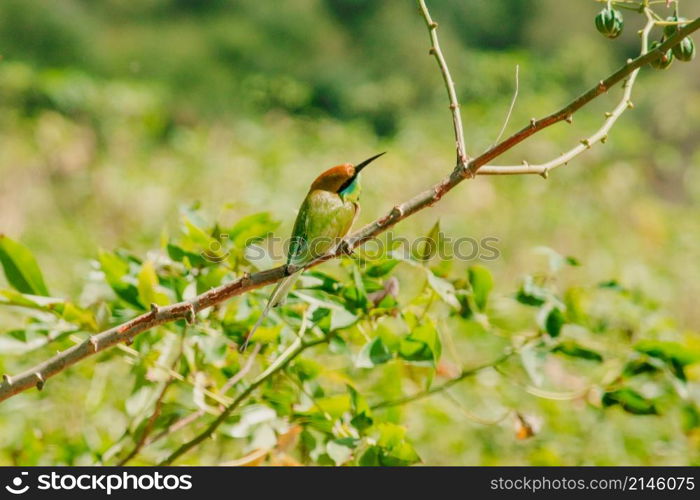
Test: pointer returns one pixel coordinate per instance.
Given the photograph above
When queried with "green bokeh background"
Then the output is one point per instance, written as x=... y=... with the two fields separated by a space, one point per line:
x=114 y=114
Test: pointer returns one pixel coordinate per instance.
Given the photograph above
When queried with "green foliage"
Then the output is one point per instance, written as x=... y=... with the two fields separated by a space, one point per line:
x=21 y=269
x=250 y=99
x=322 y=397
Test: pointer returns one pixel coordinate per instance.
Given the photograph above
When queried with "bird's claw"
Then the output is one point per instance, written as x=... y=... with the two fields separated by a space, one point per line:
x=344 y=248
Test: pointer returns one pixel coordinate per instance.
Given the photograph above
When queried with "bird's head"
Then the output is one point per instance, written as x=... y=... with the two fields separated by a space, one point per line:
x=343 y=178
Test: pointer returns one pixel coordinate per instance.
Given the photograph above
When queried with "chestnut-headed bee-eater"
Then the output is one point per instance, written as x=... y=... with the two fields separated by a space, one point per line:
x=324 y=218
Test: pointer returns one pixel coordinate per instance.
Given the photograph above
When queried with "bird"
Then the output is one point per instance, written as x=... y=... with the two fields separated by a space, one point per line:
x=325 y=217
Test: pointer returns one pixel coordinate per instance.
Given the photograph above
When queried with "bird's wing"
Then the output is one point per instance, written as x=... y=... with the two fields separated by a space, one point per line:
x=323 y=218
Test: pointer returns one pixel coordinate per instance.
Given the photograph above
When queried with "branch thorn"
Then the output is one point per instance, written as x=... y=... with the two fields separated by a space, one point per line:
x=190 y=314
x=39 y=381
x=6 y=379
x=533 y=122
x=93 y=343
x=570 y=119
x=154 y=309
x=397 y=212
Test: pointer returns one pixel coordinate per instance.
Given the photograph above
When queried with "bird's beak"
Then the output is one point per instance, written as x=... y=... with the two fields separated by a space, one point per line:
x=366 y=162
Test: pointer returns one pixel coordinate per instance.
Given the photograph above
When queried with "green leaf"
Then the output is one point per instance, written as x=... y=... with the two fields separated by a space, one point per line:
x=431 y=244
x=554 y=321
x=482 y=283
x=422 y=344
x=362 y=414
x=444 y=289
x=339 y=450
x=335 y=405
x=78 y=316
x=252 y=228
x=391 y=450
x=196 y=235
x=362 y=300
x=179 y=254
x=21 y=269
x=670 y=352
x=630 y=401
x=690 y=416
x=20 y=335
x=571 y=348
x=148 y=286
x=532 y=294
x=373 y=353
x=382 y=269
x=306 y=369
x=556 y=260
x=116 y=273
x=639 y=366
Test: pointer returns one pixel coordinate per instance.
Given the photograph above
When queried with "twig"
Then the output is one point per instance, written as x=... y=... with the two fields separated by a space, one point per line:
x=242 y=372
x=12 y=385
x=512 y=104
x=470 y=416
x=599 y=136
x=148 y=428
x=470 y=372
x=567 y=111
x=149 y=424
x=435 y=50
x=176 y=426
x=295 y=348
x=219 y=398
x=194 y=416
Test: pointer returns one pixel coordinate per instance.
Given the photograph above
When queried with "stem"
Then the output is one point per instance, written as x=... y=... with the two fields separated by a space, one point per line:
x=600 y=135
x=435 y=50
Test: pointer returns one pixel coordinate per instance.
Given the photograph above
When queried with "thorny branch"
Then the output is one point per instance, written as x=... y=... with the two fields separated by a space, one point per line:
x=600 y=136
x=435 y=50
x=187 y=310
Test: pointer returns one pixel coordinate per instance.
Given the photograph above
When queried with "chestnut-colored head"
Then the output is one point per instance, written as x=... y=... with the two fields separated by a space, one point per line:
x=337 y=178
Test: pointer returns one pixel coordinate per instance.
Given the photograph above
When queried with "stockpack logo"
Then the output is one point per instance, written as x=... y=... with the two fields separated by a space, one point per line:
x=17 y=487
x=105 y=483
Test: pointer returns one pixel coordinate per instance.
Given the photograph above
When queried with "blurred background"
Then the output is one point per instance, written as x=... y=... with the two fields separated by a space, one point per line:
x=115 y=114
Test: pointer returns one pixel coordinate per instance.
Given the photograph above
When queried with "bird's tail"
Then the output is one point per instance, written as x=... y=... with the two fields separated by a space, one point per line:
x=277 y=297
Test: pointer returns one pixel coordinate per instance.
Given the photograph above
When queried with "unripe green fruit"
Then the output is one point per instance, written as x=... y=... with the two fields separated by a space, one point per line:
x=662 y=62
x=685 y=51
x=671 y=29
x=609 y=22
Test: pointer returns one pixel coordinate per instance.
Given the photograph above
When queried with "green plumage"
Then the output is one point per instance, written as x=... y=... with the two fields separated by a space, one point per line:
x=325 y=217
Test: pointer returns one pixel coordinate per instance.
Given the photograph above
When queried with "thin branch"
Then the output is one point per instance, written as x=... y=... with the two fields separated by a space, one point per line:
x=435 y=50
x=157 y=407
x=295 y=349
x=194 y=416
x=512 y=103
x=465 y=374
x=243 y=371
x=600 y=135
x=37 y=375
x=149 y=424
x=176 y=426
x=471 y=416
x=566 y=113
